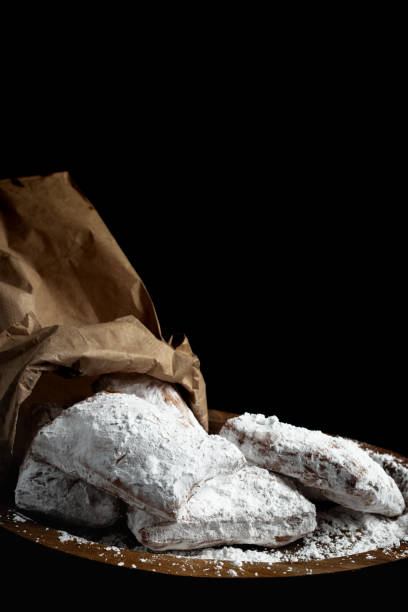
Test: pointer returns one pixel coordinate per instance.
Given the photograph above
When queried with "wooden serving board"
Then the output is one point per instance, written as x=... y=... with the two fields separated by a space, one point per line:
x=50 y=537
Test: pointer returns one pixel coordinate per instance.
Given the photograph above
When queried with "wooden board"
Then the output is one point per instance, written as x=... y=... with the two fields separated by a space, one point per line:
x=47 y=536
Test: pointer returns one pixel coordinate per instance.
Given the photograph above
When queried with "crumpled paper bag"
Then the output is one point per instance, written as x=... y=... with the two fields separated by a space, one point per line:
x=71 y=308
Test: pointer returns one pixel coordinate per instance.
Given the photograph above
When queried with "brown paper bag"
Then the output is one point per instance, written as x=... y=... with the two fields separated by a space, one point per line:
x=71 y=308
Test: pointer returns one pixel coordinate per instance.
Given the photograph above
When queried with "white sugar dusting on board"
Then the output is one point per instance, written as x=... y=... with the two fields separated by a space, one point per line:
x=68 y=537
x=336 y=466
x=18 y=518
x=340 y=533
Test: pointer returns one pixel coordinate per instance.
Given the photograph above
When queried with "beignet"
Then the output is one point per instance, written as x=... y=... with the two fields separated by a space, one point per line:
x=135 y=450
x=250 y=506
x=44 y=489
x=339 y=468
x=148 y=388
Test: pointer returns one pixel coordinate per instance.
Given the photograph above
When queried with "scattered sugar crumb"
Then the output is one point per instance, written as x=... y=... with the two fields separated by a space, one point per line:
x=339 y=533
x=19 y=519
x=68 y=537
x=115 y=549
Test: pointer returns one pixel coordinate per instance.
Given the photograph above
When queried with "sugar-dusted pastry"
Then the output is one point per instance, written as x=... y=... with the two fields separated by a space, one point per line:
x=44 y=489
x=151 y=389
x=396 y=468
x=250 y=506
x=339 y=468
x=135 y=450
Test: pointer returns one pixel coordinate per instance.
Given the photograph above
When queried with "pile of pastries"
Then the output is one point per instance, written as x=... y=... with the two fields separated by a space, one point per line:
x=135 y=449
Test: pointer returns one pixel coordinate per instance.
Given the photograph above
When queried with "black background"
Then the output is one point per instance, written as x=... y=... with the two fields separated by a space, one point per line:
x=277 y=250
x=294 y=305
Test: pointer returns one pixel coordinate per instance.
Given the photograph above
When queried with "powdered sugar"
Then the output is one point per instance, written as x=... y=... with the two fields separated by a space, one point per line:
x=18 y=518
x=68 y=537
x=135 y=450
x=251 y=506
x=339 y=468
x=43 y=488
x=339 y=533
x=150 y=389
x=395 y=468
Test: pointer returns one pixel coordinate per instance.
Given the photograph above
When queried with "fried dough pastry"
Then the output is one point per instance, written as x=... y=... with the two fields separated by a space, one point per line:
x=44 y=489
x=148 y=388
x=135 y=450
x=250 y=506
x=395 y=468
x=338 y=468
